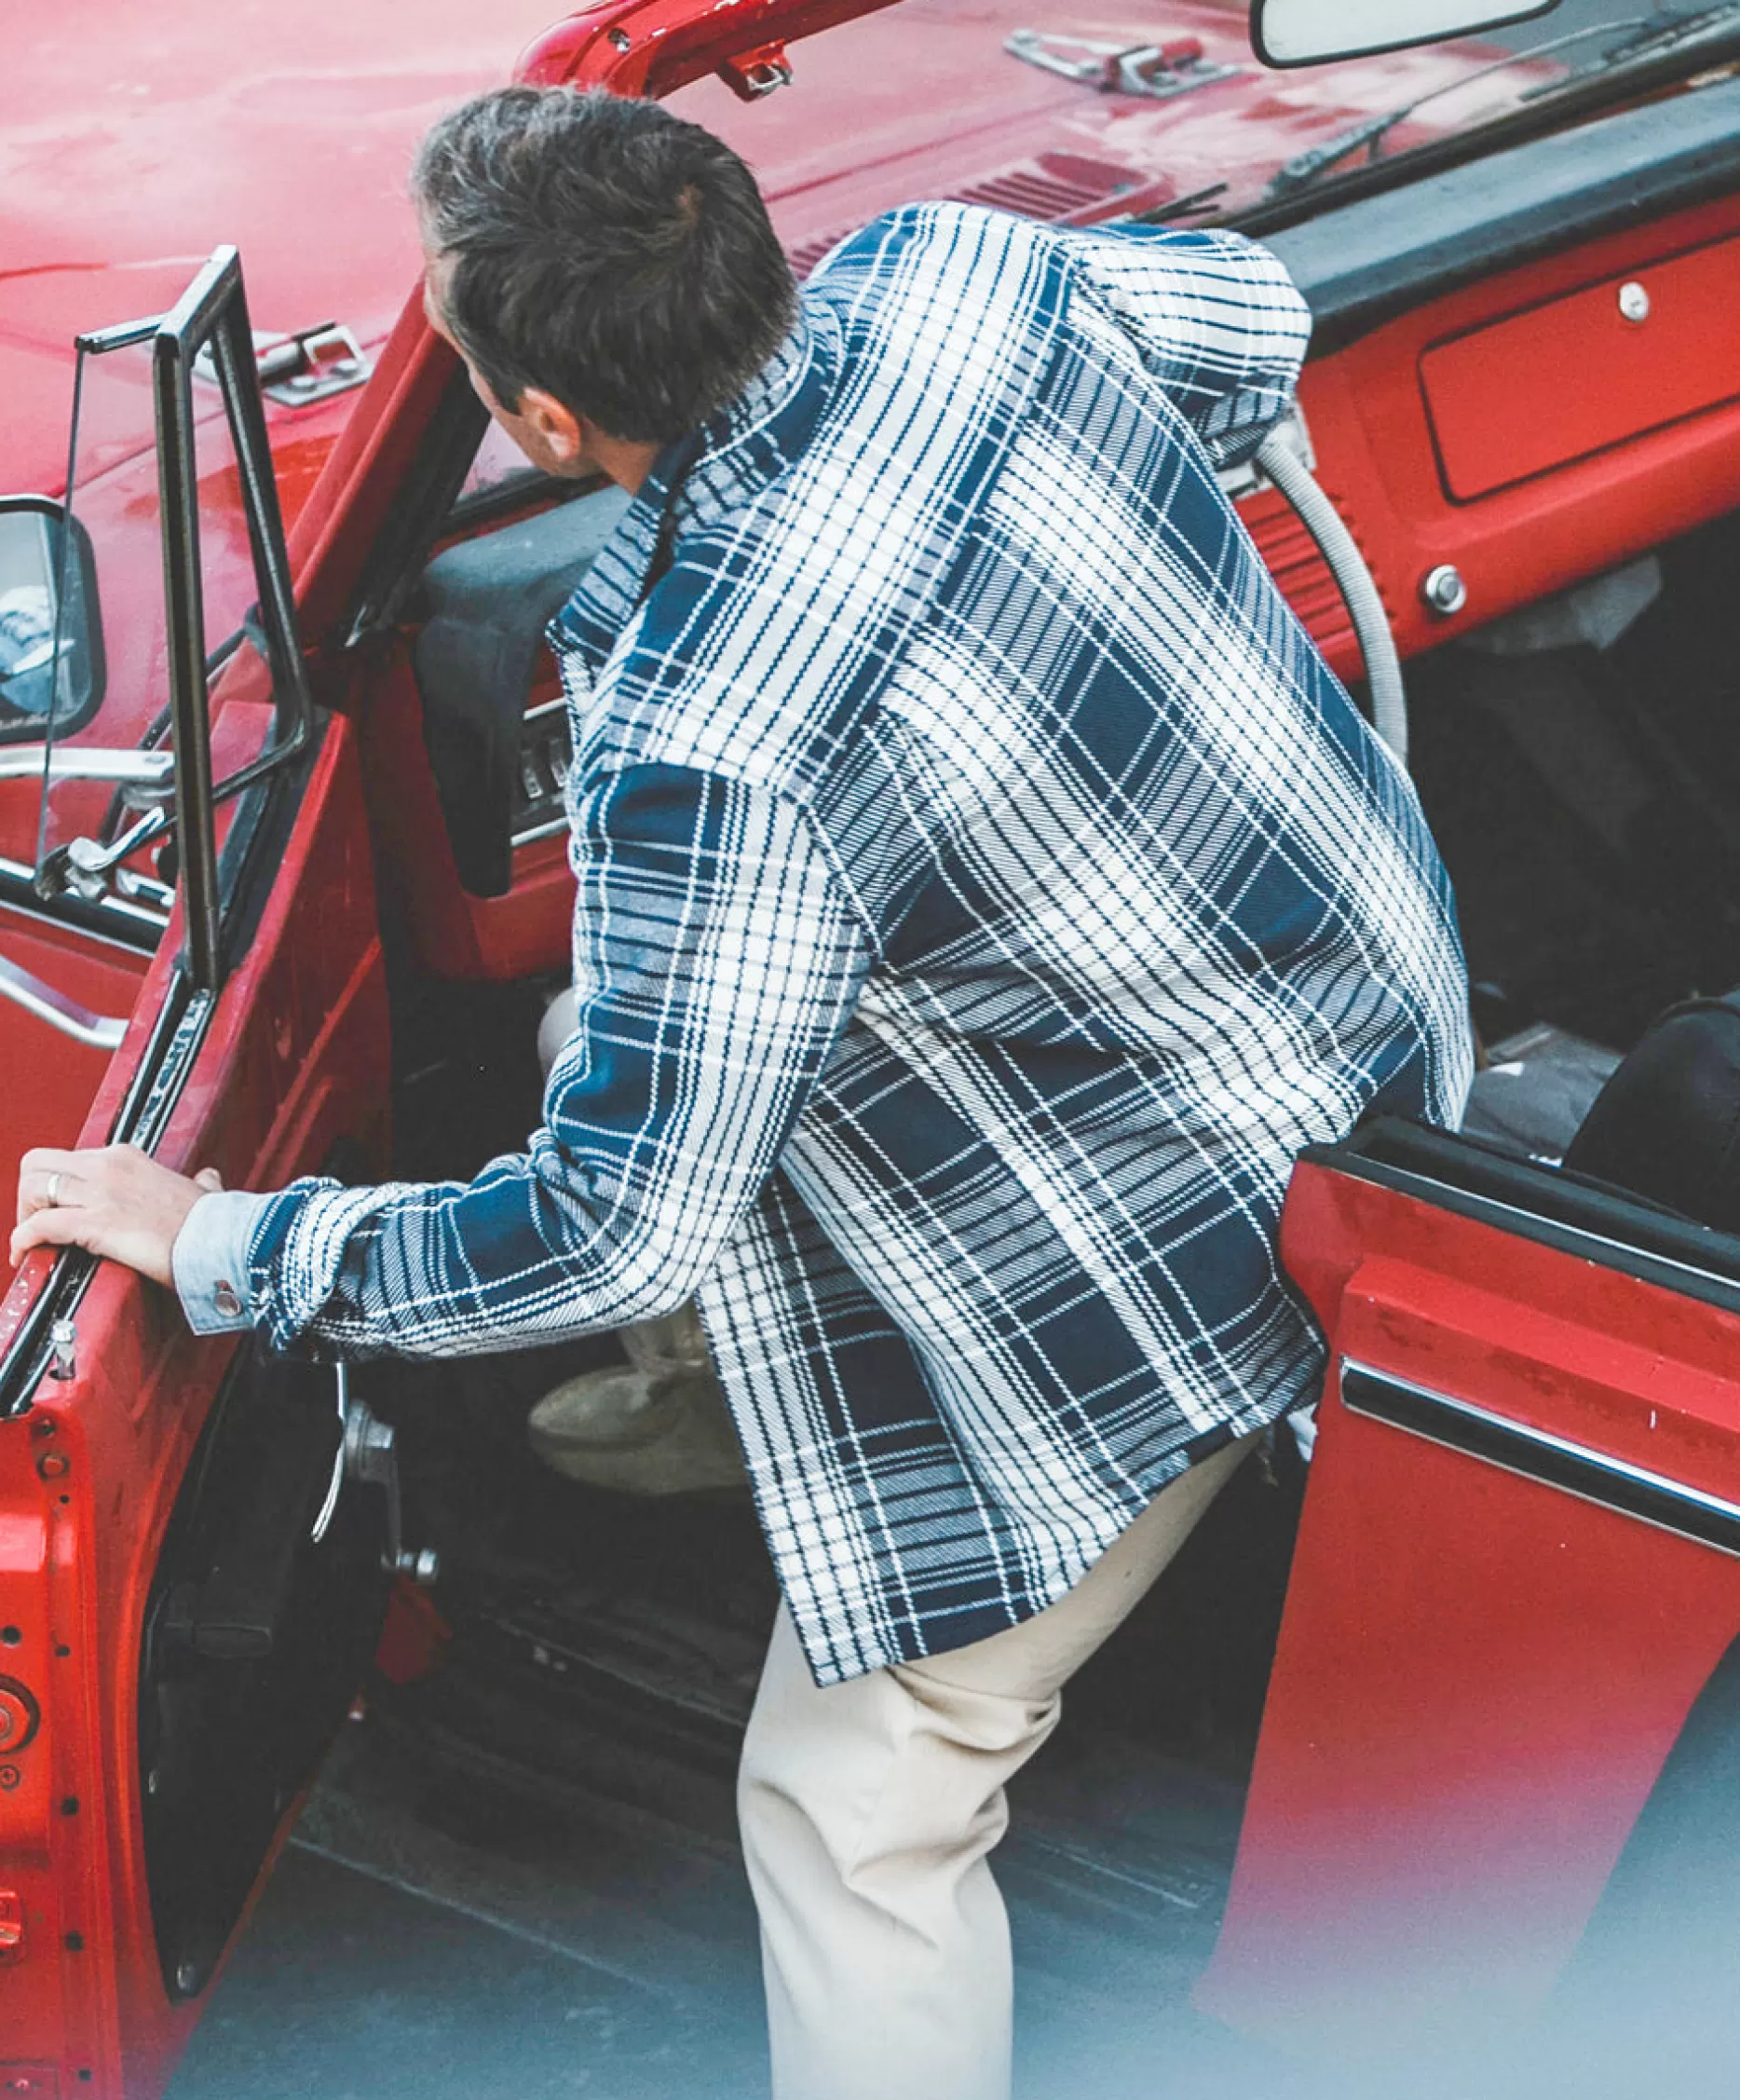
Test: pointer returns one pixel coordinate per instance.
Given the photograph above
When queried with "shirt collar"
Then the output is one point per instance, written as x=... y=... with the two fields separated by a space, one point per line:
x=706 y=474
x=753 y=439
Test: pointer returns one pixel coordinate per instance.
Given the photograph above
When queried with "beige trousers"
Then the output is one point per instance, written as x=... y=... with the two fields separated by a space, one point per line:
x=868 y=1811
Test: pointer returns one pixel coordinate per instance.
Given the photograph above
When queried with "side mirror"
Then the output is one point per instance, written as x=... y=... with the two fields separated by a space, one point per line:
x=50 y=629
x=1285 y=33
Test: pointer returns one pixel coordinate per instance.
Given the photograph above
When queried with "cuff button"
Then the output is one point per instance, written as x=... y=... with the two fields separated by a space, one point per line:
x=227 y=1299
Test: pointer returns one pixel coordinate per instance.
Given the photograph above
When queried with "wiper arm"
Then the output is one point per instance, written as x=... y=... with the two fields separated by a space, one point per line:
x=1656 y=40
x=1304 y=169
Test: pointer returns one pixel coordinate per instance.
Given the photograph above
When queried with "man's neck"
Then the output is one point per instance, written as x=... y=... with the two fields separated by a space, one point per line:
x=626 y=462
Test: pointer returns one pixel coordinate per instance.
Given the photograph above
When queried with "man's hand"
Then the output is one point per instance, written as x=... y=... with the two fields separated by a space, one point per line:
x=114 y=1200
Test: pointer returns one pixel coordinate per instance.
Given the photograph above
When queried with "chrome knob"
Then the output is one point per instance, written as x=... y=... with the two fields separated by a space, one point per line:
x=1444 y=590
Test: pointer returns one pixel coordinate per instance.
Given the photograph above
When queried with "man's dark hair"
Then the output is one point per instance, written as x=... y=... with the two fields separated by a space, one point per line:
x=604 y=251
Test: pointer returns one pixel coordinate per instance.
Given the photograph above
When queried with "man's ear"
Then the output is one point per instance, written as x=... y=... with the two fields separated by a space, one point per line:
x=556 y=424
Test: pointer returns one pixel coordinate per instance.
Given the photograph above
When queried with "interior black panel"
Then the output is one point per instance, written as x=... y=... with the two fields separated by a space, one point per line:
x=486 y=602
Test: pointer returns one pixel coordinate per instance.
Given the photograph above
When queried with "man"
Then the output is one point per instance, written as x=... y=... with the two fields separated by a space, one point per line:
x=984 y=890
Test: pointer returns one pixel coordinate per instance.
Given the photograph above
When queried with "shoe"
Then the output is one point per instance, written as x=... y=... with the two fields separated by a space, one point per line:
x=658 y=1425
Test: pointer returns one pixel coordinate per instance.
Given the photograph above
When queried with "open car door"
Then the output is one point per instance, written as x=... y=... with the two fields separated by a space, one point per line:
x=193 y=1539
x=1496 y=1759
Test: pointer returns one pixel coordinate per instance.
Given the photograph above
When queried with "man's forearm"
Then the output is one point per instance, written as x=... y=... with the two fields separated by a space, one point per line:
x=717 y=962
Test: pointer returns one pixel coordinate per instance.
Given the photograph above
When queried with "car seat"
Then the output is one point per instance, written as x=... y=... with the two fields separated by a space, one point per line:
x=484 y=606
x=1667 y=1124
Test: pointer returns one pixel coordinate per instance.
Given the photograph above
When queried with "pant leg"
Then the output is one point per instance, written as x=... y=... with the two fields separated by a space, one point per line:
x=869 y=1810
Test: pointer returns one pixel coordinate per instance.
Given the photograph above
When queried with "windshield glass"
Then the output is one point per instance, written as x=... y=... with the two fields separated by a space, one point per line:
x=1514 y=68
x=111 y=501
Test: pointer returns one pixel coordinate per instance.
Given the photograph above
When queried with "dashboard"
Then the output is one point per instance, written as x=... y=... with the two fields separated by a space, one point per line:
x=1529 y=421
x=1526 y=432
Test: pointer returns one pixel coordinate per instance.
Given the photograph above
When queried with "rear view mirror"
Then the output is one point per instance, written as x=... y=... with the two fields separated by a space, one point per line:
x=1288 y=32
x=50 y=632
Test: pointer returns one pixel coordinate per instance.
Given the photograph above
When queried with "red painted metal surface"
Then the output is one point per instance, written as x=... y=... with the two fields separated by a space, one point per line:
x=1504 y=401
x=1376 y=458
x=858 y=130
x=296 y=1060
x=1479 y=1676
x=450 y=932
x=134 y=143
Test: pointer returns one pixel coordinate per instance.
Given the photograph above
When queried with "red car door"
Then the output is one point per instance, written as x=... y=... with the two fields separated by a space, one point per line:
x=191 y=1555
x=1516 y=1579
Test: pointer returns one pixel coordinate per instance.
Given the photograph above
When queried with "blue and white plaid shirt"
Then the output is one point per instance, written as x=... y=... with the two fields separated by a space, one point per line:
x=984 y=891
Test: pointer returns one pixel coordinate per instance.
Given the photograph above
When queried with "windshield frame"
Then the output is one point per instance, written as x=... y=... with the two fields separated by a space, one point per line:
x=211 y=317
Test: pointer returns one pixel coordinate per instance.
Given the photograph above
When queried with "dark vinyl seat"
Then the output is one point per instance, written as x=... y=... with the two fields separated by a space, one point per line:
x=1667 y=1124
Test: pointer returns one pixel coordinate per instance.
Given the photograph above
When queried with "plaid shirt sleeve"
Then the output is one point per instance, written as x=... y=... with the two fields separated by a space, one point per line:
x=715 y=963
x=1213 y=318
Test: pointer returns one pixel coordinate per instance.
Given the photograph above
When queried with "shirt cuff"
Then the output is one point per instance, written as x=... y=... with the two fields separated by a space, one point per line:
x=210 y=1261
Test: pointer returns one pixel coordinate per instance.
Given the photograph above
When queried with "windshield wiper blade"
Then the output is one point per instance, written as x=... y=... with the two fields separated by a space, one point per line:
x=1306 y=167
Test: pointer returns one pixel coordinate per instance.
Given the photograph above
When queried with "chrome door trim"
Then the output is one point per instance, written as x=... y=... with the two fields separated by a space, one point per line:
x=1539 y=1455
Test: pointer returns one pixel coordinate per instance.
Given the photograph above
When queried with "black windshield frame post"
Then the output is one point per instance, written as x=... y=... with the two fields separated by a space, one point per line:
x=178 y=336
x=213 y=313
x=232 y=350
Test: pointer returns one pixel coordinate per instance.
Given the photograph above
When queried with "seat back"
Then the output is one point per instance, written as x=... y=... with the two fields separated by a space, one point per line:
x=1667 y=1126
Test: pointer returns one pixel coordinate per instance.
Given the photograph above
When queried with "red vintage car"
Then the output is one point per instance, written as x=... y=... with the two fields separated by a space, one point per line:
x=282 y=886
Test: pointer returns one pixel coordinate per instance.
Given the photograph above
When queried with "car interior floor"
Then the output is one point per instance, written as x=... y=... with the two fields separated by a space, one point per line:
x=604 y=1651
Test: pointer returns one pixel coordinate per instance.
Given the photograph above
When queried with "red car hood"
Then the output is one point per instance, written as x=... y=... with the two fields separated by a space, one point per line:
x=924 y=99
x=138 y=138
x=132 y=156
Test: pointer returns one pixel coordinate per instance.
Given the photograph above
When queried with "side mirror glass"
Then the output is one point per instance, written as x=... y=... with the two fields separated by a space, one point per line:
x=51 y=666
x=1285 y=33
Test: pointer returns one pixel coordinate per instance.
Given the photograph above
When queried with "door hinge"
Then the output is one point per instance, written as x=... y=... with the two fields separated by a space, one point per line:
x=1157 y=71
x=296 y=370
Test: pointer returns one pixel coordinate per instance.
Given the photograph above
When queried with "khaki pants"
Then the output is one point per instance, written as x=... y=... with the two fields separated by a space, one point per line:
x=868 y=1811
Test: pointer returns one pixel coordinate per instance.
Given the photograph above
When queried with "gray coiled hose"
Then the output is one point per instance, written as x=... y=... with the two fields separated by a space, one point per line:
x=1347 y=564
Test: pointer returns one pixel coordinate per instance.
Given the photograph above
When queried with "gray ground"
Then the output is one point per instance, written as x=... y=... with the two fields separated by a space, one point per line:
x=393 y=1955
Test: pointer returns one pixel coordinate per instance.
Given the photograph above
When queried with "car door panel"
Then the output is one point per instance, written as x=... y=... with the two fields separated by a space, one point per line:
x=1516 y=1573
x=293 y=1062
x=450 y=933
x=51 y=1074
